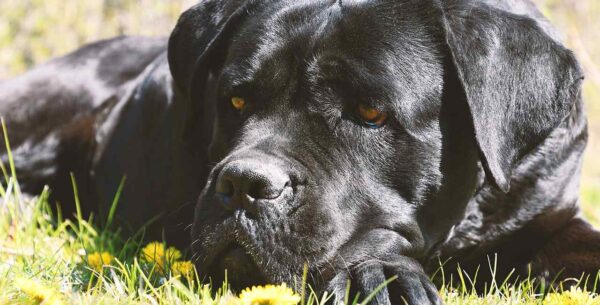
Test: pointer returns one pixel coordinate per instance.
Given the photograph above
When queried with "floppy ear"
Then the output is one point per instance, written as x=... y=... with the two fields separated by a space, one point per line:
x=519 y=83
x=194 y=47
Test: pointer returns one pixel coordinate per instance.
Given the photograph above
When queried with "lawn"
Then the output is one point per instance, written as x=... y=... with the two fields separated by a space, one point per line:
x=47 y=259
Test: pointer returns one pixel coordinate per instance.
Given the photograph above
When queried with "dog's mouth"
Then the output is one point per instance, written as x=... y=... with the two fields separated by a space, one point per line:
x=236 y=267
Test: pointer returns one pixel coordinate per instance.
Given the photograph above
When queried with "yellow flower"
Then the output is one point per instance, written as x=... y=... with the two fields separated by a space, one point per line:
x=156 y=253
x=98 y=260
x=575 y=296
x=185 y=269
x=41 y=294
x=269 y=295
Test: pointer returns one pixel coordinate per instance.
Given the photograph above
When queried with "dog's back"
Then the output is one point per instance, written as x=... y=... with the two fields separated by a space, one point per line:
x=52 y=112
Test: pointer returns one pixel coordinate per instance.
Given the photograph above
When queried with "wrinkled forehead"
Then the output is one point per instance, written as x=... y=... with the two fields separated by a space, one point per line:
x=386 y=43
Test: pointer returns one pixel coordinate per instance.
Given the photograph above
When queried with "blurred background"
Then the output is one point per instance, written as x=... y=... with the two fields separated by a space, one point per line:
x=31 y=31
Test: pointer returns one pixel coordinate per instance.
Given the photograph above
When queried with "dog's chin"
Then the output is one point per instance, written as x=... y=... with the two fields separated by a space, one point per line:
x=236 y=267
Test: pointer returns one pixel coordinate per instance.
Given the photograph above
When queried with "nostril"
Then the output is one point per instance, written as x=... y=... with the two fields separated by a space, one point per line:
x=267 y=189
x=256 y=190
x=263 y=191
x=225 y=189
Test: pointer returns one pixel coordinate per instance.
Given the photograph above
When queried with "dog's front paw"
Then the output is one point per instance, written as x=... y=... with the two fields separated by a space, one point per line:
x=405 y=285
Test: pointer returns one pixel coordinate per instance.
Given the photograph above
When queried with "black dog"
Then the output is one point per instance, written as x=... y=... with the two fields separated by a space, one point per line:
x=365 y=139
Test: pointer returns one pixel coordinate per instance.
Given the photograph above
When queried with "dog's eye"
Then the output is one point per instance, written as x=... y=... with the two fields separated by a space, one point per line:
x=238 y=103
x=372 y=117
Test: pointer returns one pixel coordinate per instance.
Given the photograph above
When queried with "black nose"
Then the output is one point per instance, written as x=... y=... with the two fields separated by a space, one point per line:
x=241 y=182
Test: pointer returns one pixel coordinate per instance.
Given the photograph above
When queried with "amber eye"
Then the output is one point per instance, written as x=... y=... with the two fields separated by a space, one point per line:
x=371 y=116
x=238 y=103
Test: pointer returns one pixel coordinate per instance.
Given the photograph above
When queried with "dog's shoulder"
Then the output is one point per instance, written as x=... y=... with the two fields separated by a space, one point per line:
x=53 y=111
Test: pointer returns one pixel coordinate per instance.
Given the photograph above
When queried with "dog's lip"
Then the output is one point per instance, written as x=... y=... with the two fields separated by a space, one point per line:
x=242 y=267
x=216 y=249
x=235 y=251
x=234 y=247
x=227 y=243
x=212 y=255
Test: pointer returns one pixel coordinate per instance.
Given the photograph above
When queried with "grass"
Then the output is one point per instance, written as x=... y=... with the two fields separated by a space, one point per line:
x=46 y=259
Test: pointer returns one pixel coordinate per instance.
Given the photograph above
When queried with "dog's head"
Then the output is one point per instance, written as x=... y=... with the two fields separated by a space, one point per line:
x=349 y=130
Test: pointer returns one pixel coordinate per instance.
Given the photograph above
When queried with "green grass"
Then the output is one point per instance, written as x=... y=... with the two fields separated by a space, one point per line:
x=46 y=259
x=43 y=246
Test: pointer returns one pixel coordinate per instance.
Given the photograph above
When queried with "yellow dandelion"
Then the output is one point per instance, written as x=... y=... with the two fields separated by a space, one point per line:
x=40 y=293
x=156 y=253
x=269 y=295
x=98 y=260
x=172 y=254
x=184 y=268
x=574 y=296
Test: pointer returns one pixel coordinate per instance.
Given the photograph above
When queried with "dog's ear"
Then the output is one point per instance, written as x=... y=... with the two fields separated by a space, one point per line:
x=519 y=83
x=196 y=47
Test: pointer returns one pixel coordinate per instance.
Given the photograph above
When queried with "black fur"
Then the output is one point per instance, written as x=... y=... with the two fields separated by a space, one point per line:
x=480 y=154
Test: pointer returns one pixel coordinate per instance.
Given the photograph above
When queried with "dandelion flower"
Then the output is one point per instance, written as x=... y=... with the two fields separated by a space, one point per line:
x=38 y=292
x=269 y=295
x=98 y=260
x=156 y=253
x=575 y=296
x=185 y=269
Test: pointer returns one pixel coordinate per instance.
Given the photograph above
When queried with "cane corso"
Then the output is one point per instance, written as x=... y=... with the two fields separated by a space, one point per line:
x=366 y=140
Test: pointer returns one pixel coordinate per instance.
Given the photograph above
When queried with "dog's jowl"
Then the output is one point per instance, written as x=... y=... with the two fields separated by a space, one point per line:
x=363 y=139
